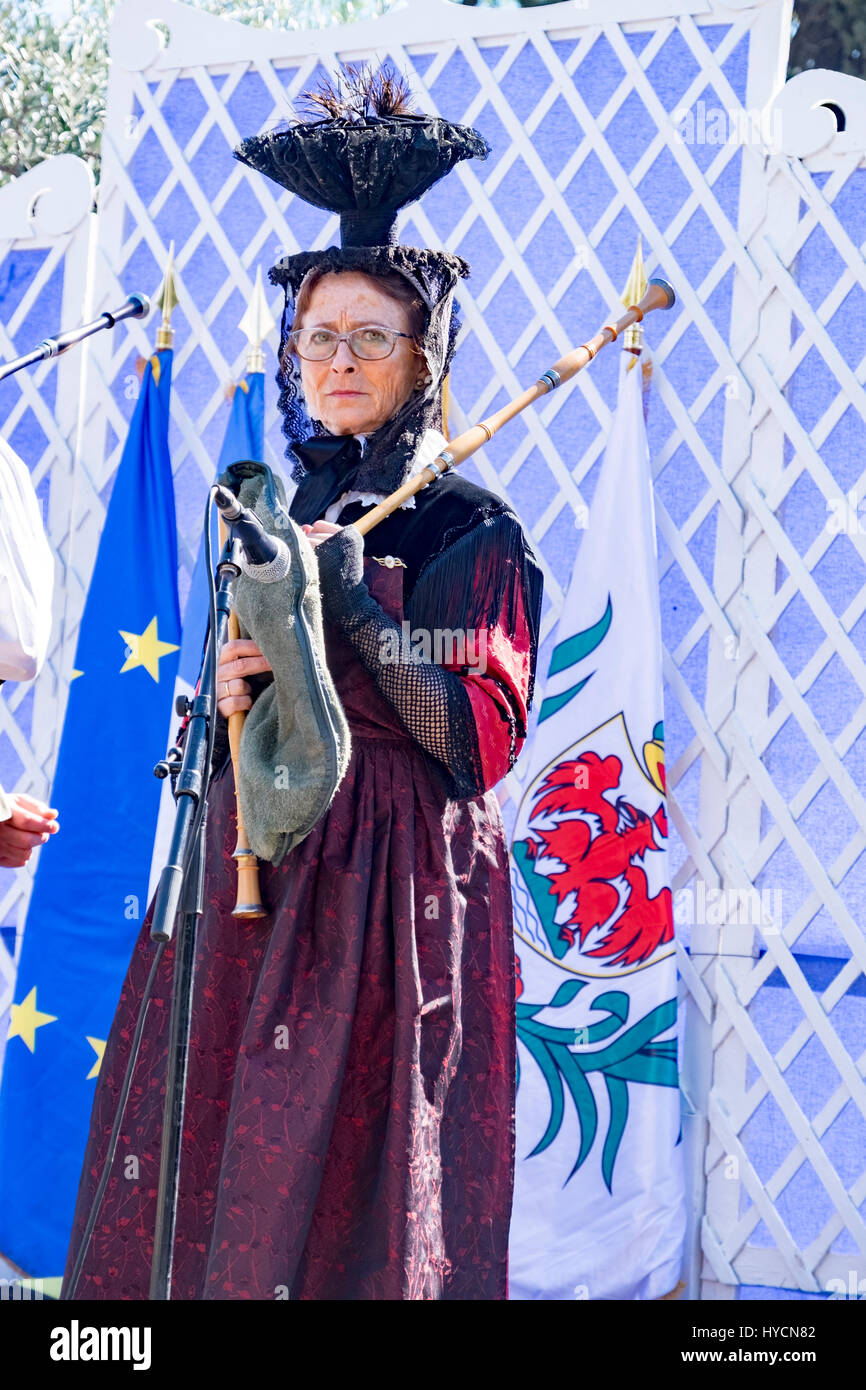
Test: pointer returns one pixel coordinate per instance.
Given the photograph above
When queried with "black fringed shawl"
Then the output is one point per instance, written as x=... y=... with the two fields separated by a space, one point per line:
x=458 y=532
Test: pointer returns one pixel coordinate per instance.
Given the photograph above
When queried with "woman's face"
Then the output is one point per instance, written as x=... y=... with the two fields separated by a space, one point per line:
x=348 y=394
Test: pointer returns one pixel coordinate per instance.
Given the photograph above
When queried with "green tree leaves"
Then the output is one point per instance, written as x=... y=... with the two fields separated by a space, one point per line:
x=54 y=77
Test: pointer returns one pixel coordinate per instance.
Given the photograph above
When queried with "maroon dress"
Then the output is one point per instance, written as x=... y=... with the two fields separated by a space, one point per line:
x=349 y=1124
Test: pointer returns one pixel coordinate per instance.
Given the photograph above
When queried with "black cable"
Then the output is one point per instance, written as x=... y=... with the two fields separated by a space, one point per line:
x=67 y=1294
x=211 y=642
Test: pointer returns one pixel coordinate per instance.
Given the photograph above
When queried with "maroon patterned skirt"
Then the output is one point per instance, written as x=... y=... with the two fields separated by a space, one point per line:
x=349 y=1123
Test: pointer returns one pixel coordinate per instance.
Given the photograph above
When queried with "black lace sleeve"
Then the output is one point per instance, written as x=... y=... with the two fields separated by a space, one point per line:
x=430 y=701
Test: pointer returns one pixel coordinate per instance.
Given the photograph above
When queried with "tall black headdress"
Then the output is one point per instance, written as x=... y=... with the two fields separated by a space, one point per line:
x=367 y=158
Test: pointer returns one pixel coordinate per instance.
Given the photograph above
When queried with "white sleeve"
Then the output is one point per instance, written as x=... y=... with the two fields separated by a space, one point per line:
x=5 y=806
x=26 y=573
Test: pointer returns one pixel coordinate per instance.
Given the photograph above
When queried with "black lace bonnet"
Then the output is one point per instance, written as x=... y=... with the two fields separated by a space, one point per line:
x=366 y=159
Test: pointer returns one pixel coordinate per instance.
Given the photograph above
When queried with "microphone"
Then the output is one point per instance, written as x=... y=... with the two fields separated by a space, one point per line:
x=139 y=307
x=265 y=557
x=136 y=306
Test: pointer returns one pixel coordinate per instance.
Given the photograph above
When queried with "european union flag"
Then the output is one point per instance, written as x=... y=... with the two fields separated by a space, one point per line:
x=90 y=891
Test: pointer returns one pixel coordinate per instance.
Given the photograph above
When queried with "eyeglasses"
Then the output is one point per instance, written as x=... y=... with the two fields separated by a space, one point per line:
x=371 y=342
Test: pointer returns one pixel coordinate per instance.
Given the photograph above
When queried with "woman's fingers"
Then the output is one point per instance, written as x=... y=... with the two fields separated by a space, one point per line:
x=12 y=858
x=233 y=704
x=241 y=657
x=22 y=840
x=236 y=697
x=29 y=826
x=35 y=822
x=244 y=666
x=32 y=803
x=238 y=646
x=320 y=531
x=238 y=658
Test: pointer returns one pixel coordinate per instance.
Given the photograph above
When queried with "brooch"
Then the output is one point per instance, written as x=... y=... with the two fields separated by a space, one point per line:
x=389 y=560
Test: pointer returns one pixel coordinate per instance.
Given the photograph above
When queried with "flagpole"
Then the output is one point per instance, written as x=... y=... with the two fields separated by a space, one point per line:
x=599 y=744
x=188 y=787
x=633 y=342
x=181 y=883
x=166 y=906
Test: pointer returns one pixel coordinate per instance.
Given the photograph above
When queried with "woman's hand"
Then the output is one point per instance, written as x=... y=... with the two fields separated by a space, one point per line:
x=320 y=531
x=237 y=659
x=29 y=826
x=341 y=566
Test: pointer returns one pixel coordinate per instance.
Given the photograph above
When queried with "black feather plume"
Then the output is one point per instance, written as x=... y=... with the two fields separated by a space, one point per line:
x=359 y=92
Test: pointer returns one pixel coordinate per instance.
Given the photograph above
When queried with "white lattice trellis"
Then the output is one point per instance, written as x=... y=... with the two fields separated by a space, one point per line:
x=797 y=477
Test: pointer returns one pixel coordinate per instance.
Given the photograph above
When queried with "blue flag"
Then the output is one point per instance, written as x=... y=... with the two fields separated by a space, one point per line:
x=90 y=891
x=244 y=439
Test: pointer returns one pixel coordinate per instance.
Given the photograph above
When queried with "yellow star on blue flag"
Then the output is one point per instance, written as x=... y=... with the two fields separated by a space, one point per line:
x=26 y=1018
x=145 y=650
x=98 y=1045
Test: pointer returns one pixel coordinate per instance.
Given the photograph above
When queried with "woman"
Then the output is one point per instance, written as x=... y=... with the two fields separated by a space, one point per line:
x=349 y=1130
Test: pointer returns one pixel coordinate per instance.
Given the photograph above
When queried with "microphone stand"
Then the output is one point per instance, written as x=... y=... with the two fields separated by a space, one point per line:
x=180 y=890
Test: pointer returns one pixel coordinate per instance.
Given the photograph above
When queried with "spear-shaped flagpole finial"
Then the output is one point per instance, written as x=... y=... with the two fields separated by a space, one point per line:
x=167 y=301
x=634 y=291
x=256 y=324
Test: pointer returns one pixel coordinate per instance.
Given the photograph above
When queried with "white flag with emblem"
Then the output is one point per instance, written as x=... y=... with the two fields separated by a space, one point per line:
x=599 y=1203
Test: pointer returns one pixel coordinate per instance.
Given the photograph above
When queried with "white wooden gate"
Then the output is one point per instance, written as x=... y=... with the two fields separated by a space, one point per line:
x=784 y=810
x=46 y=234
x=668 y=119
